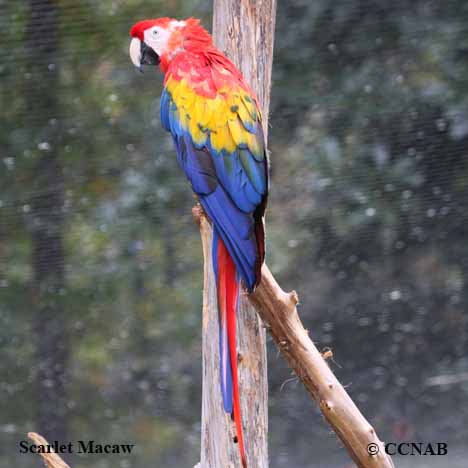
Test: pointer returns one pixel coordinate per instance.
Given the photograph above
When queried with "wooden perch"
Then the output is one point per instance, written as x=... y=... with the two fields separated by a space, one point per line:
x=244 y=31
x=278 y=311
x=51 y=460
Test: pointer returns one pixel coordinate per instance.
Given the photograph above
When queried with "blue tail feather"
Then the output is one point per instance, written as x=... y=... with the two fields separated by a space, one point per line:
x=224 y=356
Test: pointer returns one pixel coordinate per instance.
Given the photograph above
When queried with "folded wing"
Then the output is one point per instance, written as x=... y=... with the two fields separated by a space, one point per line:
x=218 y=134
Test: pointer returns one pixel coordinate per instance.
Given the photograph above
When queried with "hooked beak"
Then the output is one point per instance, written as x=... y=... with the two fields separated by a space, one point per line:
x=141 y=54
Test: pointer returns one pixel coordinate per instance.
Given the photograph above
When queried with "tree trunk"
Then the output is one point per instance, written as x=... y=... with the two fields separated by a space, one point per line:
x=46 y=220
x=244 y=31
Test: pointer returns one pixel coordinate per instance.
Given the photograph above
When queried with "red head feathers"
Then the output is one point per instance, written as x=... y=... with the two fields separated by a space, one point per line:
x=167 y=37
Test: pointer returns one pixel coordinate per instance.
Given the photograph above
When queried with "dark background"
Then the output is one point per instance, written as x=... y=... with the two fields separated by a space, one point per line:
x=100 y=261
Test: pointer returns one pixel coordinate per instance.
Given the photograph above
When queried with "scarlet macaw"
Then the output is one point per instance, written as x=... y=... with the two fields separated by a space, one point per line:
x=216 y=125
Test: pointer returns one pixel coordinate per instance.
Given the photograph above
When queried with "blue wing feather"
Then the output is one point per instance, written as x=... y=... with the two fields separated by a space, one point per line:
x=164 y=110
x=236 y=230
x=234 y=179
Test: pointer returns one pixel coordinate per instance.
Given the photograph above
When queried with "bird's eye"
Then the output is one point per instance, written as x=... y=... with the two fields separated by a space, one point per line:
x=155 y=32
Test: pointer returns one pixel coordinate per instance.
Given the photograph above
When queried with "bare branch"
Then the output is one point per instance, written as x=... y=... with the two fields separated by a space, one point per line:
x=278 y=311
x=51 y=460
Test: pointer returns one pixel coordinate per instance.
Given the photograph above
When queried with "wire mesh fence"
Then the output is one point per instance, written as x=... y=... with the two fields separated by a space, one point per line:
x=100 y=262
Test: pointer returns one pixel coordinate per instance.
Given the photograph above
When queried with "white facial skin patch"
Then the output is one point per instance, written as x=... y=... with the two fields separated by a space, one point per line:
x=157 y=38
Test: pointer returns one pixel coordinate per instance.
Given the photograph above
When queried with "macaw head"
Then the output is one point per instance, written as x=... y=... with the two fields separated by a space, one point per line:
x=158 y=41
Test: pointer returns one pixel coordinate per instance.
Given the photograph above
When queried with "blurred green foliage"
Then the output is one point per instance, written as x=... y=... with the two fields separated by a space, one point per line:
x=367 y=221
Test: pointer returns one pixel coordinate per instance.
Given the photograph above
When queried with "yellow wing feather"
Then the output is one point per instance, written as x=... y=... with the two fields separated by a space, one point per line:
x=228 y=119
